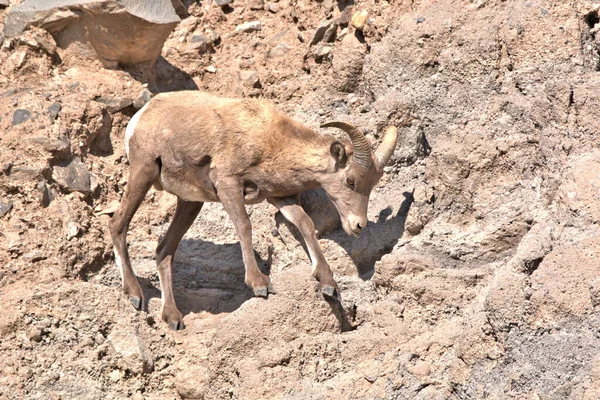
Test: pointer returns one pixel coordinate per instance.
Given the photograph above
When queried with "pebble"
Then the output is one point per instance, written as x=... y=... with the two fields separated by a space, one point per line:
x=114 y=104
x=72 y=176
x=273 y=7
x=142 y=99
x=21 y=115
x=222 y=3
x=252 y=26
x=5 y=207
x=199 y=42
x=54 y=109
x=330 y=33
x=34 y=334
x=321 y=51
x=250 y=78
x=320 y=31
x=359 y=19
x=137 y=396
x=420 y=20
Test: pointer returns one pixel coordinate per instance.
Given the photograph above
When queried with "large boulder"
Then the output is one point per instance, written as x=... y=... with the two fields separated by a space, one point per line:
x=120 y=32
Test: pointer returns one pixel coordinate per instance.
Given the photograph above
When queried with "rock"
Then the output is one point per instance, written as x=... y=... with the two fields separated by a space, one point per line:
x=199 y=42
x=273 y=7
x=24 y=173
x=21 y=115
x=257 y=5
x=191 y=381
x=118 y=31
x=72 y=176
x=34 y=256
x=322 y=51
x=142 y=99
x=137 y=396
x=34 y=334
x=348 y=63
x=60 y=147
x=5 y=207
x=114 y=104
x=213 y=37
x=359 y=19
x=320 y=31
x=250 y=78
x=180 y=9
x=280 y=50
x=132 y=348
x=54 y=109
x=420 y=20
x=252 y=26
x=330 y=33
x=44 y=194
x=211 y=68
x=222 y=3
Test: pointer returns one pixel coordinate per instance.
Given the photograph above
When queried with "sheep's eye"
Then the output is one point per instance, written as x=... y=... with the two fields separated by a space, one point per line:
x=350 y=182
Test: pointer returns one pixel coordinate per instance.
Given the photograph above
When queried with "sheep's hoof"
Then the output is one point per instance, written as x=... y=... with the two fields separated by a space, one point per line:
x=328 y=291
x=271 y=289
x=137 y=302
x=176 y=325
x=261 y=292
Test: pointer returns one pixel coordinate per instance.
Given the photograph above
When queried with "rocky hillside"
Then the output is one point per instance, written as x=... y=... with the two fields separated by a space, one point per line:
x=476 y=278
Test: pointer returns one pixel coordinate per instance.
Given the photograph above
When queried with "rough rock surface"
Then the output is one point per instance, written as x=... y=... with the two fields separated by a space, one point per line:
x=476 y=277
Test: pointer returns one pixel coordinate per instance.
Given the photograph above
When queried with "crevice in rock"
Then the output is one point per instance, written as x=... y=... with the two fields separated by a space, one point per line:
x=529 y=266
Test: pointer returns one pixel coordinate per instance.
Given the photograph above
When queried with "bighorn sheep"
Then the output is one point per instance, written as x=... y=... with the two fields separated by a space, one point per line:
x=203 y=148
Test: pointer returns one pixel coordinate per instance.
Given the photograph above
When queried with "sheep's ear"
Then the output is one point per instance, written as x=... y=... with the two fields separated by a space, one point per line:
x=338 y=152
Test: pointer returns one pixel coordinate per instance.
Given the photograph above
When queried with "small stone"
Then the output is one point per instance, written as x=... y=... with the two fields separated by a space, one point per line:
x=132 y=348
x=72 y=230
x=60 y=147
x=7 y=167
x=222 y=3
x=273 y=7
x=137 y=396
x=115 y=375
x=359 y=19
x=257 y=5
x=280 y=50
x=199 y=42
x=5 y=207
x=24 y=173
x=21 y=115
x=99 y=338
x=322 y=51
x=420 y=20
x=34 y=256
x=213 y=37
x=320 y=32
x=54 y=109
x=250 y=79
x=252 y=26
x=72 y=176
x=330 y=33
x=44 y=194
x=211 y=69
x=114 y=104
x=142 y=99
x=34 y=334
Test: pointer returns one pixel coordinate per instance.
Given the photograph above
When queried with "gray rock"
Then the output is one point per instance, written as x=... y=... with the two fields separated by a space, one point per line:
x=114 y=104
x=25 y=173
x=280 y=50
x=257 y=5
x=44 y=194
x=250 y=79
x=132 y=349
x=119 y=31
x=5 y=207
x=60 y=147
x=54 y=109
x=72 y=176
x=322 y=51
x=34 y=334
x=273 y=7
x=142 y=99
x=330 y=33
x=21 y=115
x=222 y=3
x=199 y=42
x=320 y=31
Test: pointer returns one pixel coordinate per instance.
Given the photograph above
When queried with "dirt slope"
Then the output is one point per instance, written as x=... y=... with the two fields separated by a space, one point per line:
x=477 y=277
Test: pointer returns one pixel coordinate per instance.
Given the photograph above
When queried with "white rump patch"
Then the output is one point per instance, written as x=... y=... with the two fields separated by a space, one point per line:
x=131 y=127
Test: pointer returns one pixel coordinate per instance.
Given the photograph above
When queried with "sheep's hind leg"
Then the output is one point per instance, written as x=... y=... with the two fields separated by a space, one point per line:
x=185 y=214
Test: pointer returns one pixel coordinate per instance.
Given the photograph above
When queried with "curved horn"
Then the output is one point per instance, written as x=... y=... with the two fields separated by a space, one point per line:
x=386 y=148
x=362 y=149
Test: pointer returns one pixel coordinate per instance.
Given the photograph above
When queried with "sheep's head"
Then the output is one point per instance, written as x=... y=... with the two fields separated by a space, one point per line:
x=357 y=170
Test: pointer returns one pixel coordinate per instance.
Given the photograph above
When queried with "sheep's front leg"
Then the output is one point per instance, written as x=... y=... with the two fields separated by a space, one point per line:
x=293 y=212
x=231 y=195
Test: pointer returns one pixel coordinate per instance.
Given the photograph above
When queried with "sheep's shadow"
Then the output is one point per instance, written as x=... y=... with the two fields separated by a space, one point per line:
x=377 y=240
x=207 y=277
